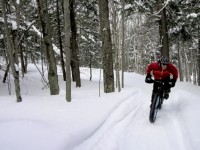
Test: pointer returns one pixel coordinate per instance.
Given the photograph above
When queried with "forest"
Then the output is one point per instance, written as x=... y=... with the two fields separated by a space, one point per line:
x=115 y=35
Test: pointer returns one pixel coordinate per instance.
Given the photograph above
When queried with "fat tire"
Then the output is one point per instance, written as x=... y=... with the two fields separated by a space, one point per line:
x=154 y=109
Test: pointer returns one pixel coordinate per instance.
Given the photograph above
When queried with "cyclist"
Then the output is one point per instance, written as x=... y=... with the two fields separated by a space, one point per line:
x=164 y=71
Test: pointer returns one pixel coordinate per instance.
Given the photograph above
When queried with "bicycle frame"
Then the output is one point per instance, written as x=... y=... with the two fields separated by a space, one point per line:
x=157 y=99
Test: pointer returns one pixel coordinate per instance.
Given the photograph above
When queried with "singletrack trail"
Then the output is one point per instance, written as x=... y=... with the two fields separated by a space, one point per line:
x=128 y=127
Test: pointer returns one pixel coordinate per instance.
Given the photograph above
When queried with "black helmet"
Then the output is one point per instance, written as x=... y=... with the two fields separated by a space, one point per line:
x=164 y=60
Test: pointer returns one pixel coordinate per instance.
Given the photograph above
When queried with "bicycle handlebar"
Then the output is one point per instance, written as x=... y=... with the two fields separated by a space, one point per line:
x=158 y=81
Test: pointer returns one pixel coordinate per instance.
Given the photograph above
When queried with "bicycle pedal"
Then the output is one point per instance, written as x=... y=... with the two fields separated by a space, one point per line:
x=159 y=106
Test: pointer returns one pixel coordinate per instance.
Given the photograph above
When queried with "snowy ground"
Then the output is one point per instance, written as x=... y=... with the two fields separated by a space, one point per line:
x=115 y=121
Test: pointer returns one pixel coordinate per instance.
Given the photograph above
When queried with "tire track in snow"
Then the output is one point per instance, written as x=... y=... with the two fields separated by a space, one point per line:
x=128 y=127
x=174 y=117
x=114 y=126
x=166 y=133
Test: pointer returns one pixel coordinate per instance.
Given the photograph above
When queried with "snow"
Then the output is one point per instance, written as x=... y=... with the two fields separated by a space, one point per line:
x=16 y=67
x=193 y=15
x=14 y=25
x=114 y=121
x=128 y=6
x=18 y=2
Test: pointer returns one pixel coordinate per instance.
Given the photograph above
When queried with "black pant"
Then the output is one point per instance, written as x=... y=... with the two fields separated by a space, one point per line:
x=166 y=87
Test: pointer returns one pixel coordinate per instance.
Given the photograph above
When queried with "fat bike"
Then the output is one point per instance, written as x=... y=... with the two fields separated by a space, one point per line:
x=157 y=101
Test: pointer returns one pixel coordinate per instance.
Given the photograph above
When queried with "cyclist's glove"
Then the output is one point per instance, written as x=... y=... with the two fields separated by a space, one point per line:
x=172 y=82
x=148 y=79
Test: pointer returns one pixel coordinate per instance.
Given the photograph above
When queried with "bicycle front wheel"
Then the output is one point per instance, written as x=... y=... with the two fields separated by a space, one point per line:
x=154 y=108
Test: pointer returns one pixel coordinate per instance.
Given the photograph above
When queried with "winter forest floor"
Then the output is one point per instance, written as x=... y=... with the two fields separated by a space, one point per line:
x=114 y=121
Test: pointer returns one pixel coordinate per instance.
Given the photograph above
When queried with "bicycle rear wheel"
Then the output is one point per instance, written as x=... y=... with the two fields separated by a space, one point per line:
x=154 y=108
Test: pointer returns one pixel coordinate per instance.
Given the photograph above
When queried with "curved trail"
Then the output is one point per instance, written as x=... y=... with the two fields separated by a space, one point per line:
x=128 y=127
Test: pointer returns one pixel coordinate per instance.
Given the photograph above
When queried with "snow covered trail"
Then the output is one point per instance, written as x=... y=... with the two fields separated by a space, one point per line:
x=113 y=121
x=115 y=124
x=128 y=128
x=185 y=106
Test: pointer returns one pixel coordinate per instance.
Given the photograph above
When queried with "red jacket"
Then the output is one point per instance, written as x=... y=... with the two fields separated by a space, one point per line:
x=160 y=74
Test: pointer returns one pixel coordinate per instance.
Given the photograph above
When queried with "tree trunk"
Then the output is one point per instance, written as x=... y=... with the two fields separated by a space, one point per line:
x=187 y=72
x=60 y=41
x=90 y=66
x=179 y=62
x=123 y=48
x=14 y=66
x=115 y=40
x=74 y=46
x=163 y=30
x=52 y=70
x=106 y=47
x=6 y=73
x=198 y=58
x=194 y=68
x=67 y=48
x=17 y=42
